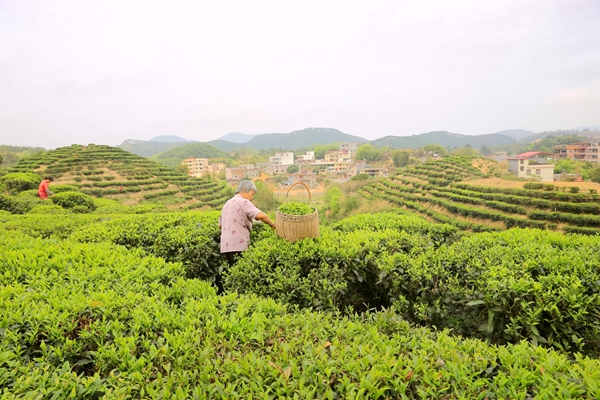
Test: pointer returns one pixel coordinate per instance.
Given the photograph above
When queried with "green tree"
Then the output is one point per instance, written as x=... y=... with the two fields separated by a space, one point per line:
x=436 y=148
x=485 y=149
x=264 y=198
x=595 y=175
x=368 y=153
x=401 y=158
x=566 y=166
x=292 y=169
x=183 y=168
x=322 y=149
x=467 y=150
x=360 y=177
x=332 y=200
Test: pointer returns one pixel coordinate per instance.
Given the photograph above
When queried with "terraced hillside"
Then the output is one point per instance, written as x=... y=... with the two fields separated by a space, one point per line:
x=110 y=172
x=439 y=189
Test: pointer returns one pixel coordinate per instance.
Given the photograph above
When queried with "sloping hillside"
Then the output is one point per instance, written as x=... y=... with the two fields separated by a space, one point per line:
x=110 y=172
x=442 y=190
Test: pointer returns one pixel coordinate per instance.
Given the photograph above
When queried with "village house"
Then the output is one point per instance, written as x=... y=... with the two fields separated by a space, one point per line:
x=245 y=171
x=533 y=165
x=350 y=147
x=338 y=156
x=306 y=176
x=375 y=172
x=305 y=158
x=284 y=158
x=585 y=150
x=198 y=167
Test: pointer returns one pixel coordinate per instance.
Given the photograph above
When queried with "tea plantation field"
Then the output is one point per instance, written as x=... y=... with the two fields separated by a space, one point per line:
x=380 y=306
x=108 y=172
x=440 y=191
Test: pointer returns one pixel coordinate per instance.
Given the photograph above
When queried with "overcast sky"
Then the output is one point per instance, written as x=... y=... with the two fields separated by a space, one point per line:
x=74 y=71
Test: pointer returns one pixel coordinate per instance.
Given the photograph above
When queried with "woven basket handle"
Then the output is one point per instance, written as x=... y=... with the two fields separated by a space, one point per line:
x=298 y=183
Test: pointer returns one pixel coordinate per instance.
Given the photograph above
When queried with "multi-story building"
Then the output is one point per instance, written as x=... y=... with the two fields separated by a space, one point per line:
x=285 y=158
x=586 y=150
x=306 y=175
x=375 y=171
x=246 y=171
x=196 y=166
x=305 y=158
x=276 y=169
x=533 y=165
x=216 y=168
x=338 y=156
x=350 y=147
x=200 y=166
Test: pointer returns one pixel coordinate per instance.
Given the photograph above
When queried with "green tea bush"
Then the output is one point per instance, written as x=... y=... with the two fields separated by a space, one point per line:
x=337 y=270
x=19 y=181
x=48 y=209
x=102 y=321
x=75 y=201
x=296 y=208
x=64 y=188
x=190 y=238
x=49 y=226
x=8 y=203
x=438 y=233
x=504 y=287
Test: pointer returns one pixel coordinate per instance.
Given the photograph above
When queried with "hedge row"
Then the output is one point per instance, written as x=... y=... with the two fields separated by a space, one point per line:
x=578 y=208
x=568 y=197
x=434 y=215
x=467 y=211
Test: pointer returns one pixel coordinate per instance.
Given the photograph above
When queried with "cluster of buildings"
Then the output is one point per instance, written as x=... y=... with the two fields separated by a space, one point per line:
x=340 y=164
x=200 y=166
x=585 y=150
x=541 y=164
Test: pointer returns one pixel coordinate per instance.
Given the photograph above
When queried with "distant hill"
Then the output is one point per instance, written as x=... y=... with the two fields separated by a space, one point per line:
x=588 y=128
x=291 y=141
x=176 y=155
x=517 y=134
x=146 y=148
x=446 y=139
x=226 y=146
x=236 y=137
x=169 y=139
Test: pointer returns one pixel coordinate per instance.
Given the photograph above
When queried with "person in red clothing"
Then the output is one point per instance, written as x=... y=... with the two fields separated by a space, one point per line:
x=44 y=190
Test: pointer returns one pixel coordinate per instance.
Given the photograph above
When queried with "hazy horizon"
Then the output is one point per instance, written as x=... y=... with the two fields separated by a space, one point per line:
x=106 y=71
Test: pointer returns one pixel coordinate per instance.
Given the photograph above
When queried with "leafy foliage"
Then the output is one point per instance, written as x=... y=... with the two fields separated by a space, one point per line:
x=74 y=201
x=295 y=208
x=19 y=181
x=368 y=152
x=108 y=320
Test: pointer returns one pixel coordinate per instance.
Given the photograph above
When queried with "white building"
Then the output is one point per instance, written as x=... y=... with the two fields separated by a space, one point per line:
x=350 y=147
x=532 y=165
x=196 y=166
x=305 y=158
x=338 y=156
x=285 y=158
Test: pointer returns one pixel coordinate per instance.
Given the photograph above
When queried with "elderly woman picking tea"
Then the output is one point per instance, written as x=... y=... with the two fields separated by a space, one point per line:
x=236 y=222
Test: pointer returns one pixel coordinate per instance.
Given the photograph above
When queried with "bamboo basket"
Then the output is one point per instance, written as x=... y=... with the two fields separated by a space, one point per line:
x=296 y=227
